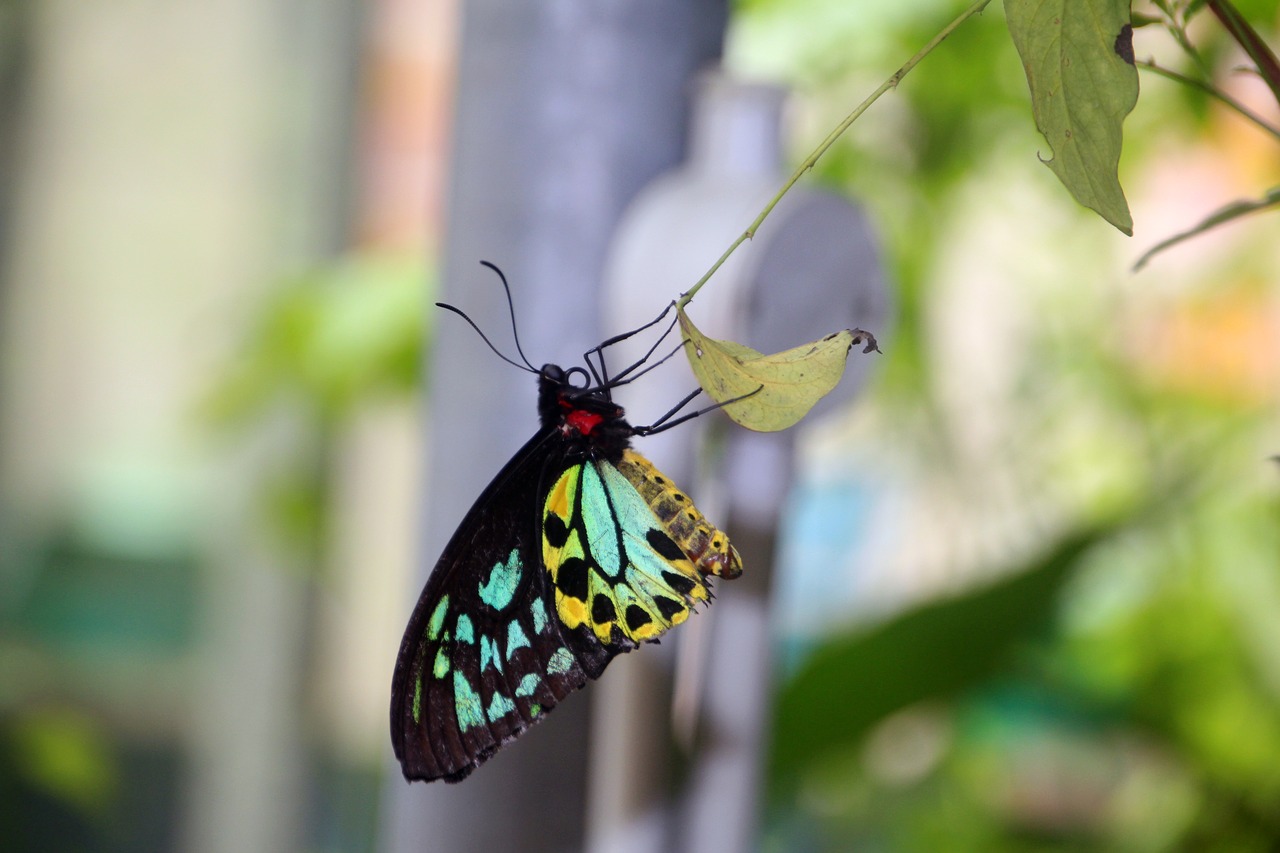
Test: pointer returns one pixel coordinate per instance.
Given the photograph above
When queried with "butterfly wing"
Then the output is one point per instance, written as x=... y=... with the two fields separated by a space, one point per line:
x=627 y=555
x=483 y=656
x=525 y=606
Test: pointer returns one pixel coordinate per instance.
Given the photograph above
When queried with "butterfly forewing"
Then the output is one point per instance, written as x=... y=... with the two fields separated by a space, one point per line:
x=483 y=656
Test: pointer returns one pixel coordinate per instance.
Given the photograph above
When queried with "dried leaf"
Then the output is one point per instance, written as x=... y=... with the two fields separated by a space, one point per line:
x=769 y=392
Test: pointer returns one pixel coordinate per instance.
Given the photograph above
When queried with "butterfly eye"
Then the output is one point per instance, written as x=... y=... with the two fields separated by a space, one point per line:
x=578 y=371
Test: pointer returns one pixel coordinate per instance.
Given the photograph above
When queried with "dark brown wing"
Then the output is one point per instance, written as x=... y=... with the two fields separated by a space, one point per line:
x=484 y=655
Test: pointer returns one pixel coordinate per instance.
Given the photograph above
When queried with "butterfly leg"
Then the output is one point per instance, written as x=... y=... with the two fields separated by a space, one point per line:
x=603 y=376
x=623 y=379
x=664 y=423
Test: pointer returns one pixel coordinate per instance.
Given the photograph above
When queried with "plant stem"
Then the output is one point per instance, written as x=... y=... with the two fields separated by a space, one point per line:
x=1212 y=92
x=812 y=159
x=1219 y=217
x=1235 y=24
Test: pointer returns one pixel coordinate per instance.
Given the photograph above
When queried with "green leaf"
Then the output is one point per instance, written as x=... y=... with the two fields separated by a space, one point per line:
x=772 y=392
x=1078 y=57
x=855 y=680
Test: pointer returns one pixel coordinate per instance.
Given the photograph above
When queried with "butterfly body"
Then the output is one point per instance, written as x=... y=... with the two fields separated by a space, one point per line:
x=577 y=551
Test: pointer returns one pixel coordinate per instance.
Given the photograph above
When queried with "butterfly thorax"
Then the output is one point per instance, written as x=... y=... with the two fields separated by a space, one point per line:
x=591 y=423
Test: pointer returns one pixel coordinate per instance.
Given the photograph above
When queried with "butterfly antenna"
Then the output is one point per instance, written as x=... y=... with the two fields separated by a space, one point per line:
x=472 y=324
x=511 y=308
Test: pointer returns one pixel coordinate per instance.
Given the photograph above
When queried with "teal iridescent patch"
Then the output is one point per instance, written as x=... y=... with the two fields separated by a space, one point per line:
x=437 y=617
x=502 y=583
x=499 y=706
x=466 y=703
x=528 y=685
x=516 y=639
x=560 y=662
x=489 y=654
x=539 y=616
x=598 y=518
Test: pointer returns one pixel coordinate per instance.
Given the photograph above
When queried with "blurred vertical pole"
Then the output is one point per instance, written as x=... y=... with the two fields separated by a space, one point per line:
x=563 y=112
x=173 y=158
x=14 y=37
x=739 y=478
x=253 y=721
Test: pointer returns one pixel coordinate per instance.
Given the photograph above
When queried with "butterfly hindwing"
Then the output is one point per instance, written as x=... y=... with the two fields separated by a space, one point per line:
x=618 y=576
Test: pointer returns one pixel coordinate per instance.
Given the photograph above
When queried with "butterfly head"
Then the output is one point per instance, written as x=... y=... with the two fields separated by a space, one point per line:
x=581 y=414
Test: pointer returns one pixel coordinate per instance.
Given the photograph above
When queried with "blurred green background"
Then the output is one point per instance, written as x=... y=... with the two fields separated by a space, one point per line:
x=1052 y=621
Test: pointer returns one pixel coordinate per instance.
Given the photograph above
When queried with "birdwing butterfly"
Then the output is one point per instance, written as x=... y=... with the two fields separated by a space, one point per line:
x=577 y=551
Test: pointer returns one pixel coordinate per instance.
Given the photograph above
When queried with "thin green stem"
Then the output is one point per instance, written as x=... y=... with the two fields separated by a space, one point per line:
x=812 y=159
x=1212 y=92
x=1175 y=23
x=1252 y=43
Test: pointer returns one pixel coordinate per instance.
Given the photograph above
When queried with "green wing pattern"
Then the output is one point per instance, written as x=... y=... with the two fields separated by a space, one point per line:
x=609 y=549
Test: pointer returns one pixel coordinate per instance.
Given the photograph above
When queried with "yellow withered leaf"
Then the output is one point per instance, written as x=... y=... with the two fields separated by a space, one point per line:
x=772 y=392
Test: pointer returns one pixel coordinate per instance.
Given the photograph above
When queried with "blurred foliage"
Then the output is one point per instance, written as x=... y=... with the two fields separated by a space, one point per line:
x=325 y=345
x=65 y=756
x=857 y=679
x=1176 y=18
x=1119 y=687
x=97 y=604
x=53 y=771
x=329 y=340
x=1143 y=724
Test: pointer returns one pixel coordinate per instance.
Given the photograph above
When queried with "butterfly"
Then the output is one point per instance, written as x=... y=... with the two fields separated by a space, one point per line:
x=577 y=551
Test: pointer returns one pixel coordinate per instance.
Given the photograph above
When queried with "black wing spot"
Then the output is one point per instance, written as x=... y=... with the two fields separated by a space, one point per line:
x=668 y=607
x=659 y=481
x=679 y=583
x=554 y=530
x=1124 y=44
x=637 y=617
x=677 y=497
x=571 y=578
x=662 y=543
x=602 y=610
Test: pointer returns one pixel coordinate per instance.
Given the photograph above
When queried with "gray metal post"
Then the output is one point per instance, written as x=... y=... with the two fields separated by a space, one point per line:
x=564 y=111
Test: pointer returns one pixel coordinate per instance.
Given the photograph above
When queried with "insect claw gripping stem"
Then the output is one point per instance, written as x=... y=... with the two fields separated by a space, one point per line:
x=618 y=380
x=603 y=377
x=662 y=424
x=649 y=355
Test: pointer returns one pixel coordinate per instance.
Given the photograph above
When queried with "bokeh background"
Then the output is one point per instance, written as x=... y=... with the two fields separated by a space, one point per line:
x=1027 y=584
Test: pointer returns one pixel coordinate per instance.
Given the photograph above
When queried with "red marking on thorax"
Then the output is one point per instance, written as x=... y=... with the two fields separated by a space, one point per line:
x=584 y=422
